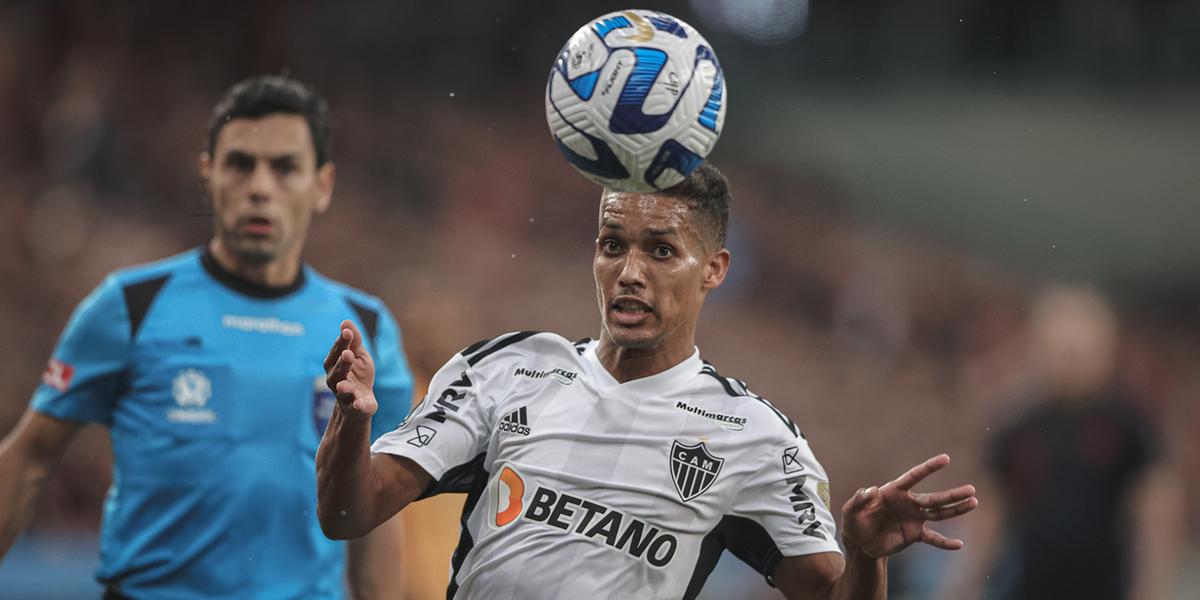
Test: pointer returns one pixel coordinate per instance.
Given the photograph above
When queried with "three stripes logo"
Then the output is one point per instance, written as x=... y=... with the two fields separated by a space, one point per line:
x=693 y=469
x=516 y=422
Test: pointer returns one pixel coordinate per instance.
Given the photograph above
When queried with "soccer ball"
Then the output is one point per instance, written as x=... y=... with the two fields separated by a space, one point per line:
x=636 y=100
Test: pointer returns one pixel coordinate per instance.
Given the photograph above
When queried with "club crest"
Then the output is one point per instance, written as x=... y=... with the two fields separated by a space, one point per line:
x=693 y=469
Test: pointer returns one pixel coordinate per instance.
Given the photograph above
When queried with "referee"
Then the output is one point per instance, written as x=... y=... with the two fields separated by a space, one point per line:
x=621 y=467
x=206 y=370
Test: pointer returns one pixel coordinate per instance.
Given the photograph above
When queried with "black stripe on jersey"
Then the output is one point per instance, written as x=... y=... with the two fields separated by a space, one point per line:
x=138 y=298
x=745 y=539
x=469 y=350
x=470 y=471
x=741 y=391
x=581 y=345
x=500 y=345
x=369 y=318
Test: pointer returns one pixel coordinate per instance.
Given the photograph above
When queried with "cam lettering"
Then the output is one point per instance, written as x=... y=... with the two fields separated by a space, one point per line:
x=696 y=461
x=614 y=528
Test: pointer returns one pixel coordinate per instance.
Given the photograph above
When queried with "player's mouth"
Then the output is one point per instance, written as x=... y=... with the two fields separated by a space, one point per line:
x=629 y=311
x=257 y=226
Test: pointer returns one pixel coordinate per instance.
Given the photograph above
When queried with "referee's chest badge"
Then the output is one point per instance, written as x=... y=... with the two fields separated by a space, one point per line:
x=693 y=469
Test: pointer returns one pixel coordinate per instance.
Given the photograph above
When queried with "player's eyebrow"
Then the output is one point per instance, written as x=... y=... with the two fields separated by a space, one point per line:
x=663 y=232
x=611 y=225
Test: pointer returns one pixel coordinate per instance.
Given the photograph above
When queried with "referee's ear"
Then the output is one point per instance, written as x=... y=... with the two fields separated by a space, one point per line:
x=716 y=269
x=326 y=175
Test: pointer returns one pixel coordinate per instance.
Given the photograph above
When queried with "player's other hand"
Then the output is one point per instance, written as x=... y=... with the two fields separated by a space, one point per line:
x=885 y=520
x=350 y=373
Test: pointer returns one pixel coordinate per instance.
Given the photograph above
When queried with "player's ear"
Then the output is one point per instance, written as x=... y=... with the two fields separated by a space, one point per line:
x=717 y=268
x=204 y=166
x=326 y=175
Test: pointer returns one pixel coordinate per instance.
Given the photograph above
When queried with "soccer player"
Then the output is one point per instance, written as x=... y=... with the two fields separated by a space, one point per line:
x=623 y=467
x=206 y=369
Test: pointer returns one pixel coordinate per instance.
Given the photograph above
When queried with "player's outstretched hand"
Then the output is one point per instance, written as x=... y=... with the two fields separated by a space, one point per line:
x=350 y=373
x=885 y=520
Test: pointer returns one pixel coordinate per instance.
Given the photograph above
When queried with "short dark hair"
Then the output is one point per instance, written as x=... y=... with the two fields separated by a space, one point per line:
x=264 y=95
x=706 y=191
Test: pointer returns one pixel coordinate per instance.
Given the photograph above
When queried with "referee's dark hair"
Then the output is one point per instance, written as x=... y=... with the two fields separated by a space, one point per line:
x=264 y=95
x=706 y=191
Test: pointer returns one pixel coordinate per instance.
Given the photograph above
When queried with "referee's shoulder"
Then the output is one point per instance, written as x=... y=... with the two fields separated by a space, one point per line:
x=749 y=401
x=342 y=289
x=523 y=345
x=163 y=267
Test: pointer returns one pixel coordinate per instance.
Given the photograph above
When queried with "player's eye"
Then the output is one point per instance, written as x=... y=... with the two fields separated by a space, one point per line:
x=610 y=246
x=663 y=251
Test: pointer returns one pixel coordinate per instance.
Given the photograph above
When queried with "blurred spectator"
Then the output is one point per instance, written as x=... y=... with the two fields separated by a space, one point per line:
x=1084 y=504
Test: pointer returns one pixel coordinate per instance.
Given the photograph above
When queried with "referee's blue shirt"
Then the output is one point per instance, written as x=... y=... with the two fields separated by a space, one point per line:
x=214 y=395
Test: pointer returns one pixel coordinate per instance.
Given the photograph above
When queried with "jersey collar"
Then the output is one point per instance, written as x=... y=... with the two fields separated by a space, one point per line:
x=248 y=288
x=660 y=383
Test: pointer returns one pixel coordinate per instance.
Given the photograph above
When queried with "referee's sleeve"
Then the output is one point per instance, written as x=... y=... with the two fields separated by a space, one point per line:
x=83 y=375
x=783 y=509
x=393 y=380
x=449 y=428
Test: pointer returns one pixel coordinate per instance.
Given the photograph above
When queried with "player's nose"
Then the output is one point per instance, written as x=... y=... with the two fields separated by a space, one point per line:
x=633 y=270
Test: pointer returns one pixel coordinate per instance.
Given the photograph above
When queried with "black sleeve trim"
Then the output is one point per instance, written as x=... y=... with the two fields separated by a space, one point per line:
x=745 y=539
x=741 y=391
x=468 y=477
x=500 y=345
x=369 y=318
x=457 y=480
x=138 y=298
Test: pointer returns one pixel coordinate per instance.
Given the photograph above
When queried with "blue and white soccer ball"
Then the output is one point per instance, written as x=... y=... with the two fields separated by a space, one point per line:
x=636 y=100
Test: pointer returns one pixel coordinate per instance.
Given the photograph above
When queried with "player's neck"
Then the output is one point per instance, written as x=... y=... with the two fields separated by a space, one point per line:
x=277 y=273
x=627 y=364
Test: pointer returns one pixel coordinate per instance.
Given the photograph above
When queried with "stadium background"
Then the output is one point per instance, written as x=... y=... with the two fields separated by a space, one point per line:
x=906 y=177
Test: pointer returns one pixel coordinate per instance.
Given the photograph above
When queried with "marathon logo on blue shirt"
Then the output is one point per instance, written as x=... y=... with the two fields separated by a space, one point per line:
x=613 y=528
x=262 y=325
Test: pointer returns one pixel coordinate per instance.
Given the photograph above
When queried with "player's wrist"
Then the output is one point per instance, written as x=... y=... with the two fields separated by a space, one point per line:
x=857 y=551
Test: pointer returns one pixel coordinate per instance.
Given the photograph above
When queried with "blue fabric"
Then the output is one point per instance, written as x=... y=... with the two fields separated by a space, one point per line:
x=215 y=407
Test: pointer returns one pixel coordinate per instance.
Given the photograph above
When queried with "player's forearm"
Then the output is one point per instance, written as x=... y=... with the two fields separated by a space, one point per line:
x=347 y=489
x=865 y=578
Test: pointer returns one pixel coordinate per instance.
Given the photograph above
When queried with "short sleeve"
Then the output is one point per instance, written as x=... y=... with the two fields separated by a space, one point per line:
x=782 y=509
x=393 y=380
x=83 y=376
x=449 y=428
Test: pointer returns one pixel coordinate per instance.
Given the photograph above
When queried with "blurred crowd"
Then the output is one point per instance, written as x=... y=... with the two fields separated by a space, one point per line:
x=884 y=346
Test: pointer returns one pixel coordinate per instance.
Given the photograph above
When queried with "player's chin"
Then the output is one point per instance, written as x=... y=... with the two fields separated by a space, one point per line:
x=632 y=338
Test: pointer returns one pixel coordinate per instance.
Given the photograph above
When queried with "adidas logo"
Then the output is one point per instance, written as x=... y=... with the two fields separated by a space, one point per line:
x=515 y=422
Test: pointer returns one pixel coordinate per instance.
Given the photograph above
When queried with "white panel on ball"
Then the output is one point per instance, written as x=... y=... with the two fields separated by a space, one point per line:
x=636 y=100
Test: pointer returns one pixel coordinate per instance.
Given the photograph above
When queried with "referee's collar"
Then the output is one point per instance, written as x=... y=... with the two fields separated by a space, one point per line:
x=246 y=287
x=662 y=382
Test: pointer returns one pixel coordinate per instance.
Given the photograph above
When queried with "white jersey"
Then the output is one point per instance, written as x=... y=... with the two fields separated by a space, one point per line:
x=582 y=487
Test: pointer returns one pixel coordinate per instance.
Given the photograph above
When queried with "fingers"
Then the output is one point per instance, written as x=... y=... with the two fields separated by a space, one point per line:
x=938 y=540
x=356 y=345
x=914 y=475
x=860 y=499
x=951 y=511
x=345 y=336
x=944 y=497
x=339 y=371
